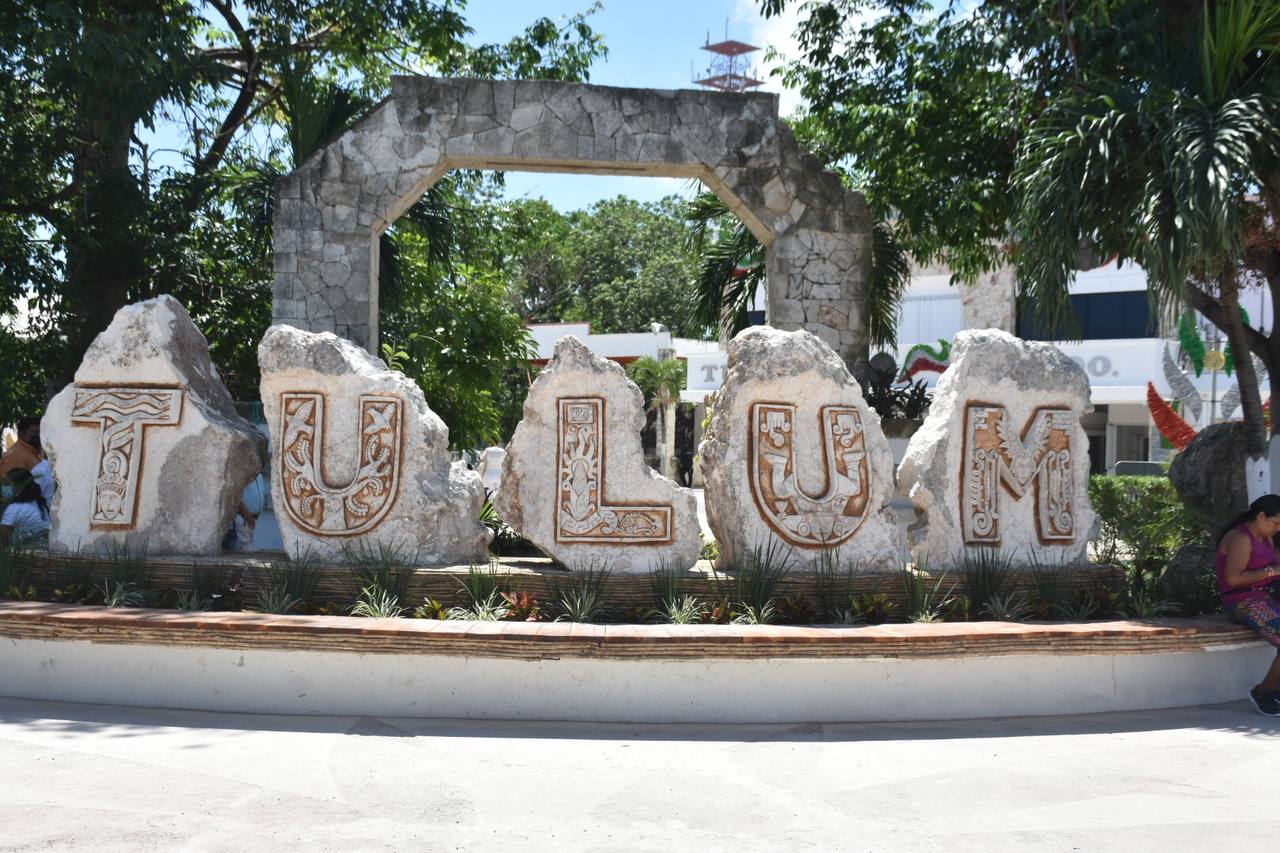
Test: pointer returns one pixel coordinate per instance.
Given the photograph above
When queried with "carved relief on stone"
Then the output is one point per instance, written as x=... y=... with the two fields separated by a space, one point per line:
x=122 y=416
x=829 y=517
x=582 y=513
x=358 y=507
x=1039 y=458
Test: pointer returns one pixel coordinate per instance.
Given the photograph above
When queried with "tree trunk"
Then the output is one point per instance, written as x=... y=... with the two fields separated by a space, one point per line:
x=1257 y=463
x=105 y=248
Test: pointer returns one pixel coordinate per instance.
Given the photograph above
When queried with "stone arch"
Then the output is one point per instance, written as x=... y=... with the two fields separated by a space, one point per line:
x=332 y=209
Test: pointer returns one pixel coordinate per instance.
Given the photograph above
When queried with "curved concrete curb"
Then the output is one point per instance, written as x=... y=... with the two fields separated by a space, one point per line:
x=413 y=668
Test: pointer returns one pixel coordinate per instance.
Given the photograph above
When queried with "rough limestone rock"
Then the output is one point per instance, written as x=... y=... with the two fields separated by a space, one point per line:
x=358 y=460
x=146 y=445
x=1209 y=472
x=795 y=455
x=1002 y=460
x=574 y=481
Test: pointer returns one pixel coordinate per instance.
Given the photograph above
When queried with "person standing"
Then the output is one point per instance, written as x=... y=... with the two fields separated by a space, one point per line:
x=26 y=452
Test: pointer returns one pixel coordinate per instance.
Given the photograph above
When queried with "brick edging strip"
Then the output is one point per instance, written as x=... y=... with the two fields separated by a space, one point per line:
x=543 y=640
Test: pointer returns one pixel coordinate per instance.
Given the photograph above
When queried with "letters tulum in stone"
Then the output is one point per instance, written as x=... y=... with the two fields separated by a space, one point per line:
x=145 y=444
x=359 y=460
x=795 y=455
x=574 y=481
x=1002 y=461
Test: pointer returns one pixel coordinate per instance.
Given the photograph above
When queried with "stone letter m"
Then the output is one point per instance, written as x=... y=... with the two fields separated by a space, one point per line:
x=1039 y=458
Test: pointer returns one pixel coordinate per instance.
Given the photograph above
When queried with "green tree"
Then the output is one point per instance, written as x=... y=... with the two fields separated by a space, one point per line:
x=731 y=267
x=661 y=383
x=629 y=266
x=923 y=104
x=86 y=224
x=529 y=240
x=1052 y=135
x=1163 y=164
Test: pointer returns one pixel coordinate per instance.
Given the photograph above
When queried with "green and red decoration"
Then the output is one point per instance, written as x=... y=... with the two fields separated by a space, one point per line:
x=924 y=358
x=1171 y=425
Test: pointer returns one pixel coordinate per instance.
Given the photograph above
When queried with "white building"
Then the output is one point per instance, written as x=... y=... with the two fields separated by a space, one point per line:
x=1122 y=348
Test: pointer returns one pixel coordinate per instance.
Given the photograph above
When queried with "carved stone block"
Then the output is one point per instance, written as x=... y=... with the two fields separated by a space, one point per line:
x=146 y=444
x=574 y=480
x=1002 y=461
x=794 y=454
x=359 y=460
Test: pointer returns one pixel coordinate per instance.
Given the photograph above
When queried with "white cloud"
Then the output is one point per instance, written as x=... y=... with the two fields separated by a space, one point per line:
x=778 y=33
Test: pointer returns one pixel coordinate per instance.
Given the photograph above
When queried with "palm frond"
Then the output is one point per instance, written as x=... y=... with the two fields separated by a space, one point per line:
x=318 y=110
x=890 y=276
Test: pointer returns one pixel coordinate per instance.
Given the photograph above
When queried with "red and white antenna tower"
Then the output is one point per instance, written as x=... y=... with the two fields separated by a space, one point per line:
x=729 y=70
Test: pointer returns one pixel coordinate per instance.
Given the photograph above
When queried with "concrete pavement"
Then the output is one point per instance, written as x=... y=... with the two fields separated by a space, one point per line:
x=92 y=777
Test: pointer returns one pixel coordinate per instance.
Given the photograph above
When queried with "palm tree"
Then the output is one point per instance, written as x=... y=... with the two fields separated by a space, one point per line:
x=661 y=383
x=1169 y=166
x=732 y=266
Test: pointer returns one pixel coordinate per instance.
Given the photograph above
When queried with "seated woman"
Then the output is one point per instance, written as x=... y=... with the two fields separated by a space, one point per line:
x=1247 y=562
x=26 y=515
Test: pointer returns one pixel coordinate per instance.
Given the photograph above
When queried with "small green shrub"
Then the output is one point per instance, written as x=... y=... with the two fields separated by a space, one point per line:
x=430 y=608
x=874 y=608
x=1142 y=525
x=1008 y=607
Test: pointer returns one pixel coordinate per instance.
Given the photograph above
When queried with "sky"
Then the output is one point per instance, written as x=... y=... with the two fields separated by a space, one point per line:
x=651 y=44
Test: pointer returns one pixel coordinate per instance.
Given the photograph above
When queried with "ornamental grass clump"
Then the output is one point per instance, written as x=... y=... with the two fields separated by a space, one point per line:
x=15 y=568
x=377 y=603
x=833 y=580
x=492 y=608
x=671 y=605
x=988 y=575
x=923 y=597
x=582 y=598
x=206 y=589
x=273 y=598
x=749 y=591
x=123 y=582
x=1008 y=607
x=487 y=583
x=296 y=577
x=383 y=571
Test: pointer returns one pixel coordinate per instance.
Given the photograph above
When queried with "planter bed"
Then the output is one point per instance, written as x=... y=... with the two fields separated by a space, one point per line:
x=255 y=663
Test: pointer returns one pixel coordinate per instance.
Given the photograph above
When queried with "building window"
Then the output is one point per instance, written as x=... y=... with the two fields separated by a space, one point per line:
x=1101 y=316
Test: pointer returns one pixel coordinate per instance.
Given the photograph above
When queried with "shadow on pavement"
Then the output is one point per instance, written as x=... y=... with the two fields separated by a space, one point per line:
x=118 y=721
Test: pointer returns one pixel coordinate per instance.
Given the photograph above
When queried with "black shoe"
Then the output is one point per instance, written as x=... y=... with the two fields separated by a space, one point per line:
x=1266 y=701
